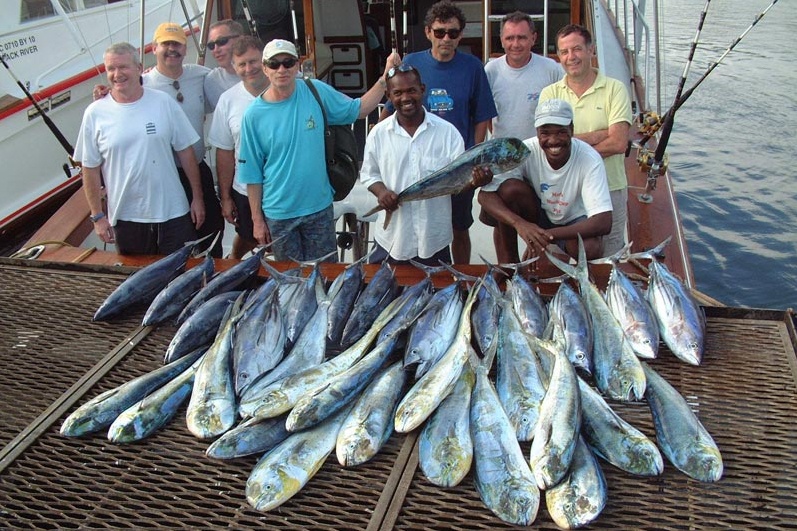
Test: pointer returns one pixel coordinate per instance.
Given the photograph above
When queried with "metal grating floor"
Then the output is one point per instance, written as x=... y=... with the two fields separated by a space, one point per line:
x=745 y=394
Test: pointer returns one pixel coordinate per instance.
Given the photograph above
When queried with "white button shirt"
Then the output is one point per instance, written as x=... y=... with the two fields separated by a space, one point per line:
x=393 y=157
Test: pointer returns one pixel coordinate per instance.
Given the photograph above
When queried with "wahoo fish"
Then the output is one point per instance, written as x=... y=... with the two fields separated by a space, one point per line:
x=281 y=395
x=519 y=379
x=153 y=412
x=445 y=447
x=99 y=412
x=500 y=155
x=303 y=301
x=427 y=393
x=231 y=279
x=682 y=321
x=632 y=311
x=501 y=473
x=369 y=424
x=286 y=468
x=679 y=433
x=253 y=436
x=581 y=496
x=172 y=299
x=569 y=323
x=145 y=284
x=618 y=371
x=380 y=290
x=200 y=329
x=212 y=408
x=557 y=429
x=307 y=352
x=614 y=439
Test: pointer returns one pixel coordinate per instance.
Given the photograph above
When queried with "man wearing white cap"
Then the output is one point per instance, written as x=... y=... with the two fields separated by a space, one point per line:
x=281 y=158
x=559 y=192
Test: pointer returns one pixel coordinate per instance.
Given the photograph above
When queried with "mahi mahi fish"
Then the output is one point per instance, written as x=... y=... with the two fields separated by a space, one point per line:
x=579 y=498
x=499 y=154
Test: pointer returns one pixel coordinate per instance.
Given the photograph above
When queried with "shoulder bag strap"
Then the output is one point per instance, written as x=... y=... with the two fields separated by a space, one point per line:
x=329 y=142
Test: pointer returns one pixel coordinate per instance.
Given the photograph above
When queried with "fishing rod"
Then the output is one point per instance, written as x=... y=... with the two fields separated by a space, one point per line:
x=50 y=124
x=190 y=24
x=249 y=19
x=658 y=164
x=393 y=32
x=203 y=34
x=404 y=29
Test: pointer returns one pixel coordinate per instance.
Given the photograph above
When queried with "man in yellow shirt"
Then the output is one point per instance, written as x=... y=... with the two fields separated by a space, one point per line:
x=602 y=109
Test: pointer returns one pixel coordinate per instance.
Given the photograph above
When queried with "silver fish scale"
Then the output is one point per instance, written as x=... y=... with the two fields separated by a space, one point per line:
x=581 y=496
x=528 y=305
x=570 y=323
x=634 y=314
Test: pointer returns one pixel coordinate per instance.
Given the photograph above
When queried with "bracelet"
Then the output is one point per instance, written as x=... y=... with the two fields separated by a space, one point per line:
x=95 y=218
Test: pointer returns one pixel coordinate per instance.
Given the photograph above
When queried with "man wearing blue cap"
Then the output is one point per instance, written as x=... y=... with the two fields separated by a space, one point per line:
x=559 y=192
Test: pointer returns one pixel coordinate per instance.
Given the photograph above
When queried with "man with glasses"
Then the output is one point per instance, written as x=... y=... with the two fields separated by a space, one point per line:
x=126 y=140
x=603 y=114
x=457 y=90
x=186 y=84
x=281 y=158
x=221 y=37
x=225 y=136
x=400 y=151
x=516 y=80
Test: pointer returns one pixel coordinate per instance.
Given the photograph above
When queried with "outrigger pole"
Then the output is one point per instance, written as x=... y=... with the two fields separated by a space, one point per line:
x=50 y=124
x=249 y=19
x=657 y=166
x=393 y=32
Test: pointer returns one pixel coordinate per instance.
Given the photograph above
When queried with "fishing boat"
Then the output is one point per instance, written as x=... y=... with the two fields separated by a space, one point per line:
x=52 y=58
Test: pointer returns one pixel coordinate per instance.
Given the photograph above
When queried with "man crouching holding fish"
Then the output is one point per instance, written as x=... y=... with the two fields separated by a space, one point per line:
x=559 y=192
x=404 y=149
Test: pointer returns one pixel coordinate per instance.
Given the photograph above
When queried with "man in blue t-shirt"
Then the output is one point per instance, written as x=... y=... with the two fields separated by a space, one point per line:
x=281 y=157
x=458 y=91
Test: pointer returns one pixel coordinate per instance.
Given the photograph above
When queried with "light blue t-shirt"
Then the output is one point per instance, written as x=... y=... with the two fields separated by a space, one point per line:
x=282 y=148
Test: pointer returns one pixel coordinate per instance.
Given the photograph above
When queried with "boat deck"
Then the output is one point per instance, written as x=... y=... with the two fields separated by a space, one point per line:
x=55 y=358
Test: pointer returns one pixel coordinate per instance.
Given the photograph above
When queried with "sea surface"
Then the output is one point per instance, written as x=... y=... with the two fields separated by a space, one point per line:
x=733 y=151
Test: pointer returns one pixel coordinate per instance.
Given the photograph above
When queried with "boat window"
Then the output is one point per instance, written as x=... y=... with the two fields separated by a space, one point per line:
x=558 y=16
x=35 y=9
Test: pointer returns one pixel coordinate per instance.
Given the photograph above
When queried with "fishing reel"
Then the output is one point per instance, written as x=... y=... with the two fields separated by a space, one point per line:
x=646 y=159
x=649 y=123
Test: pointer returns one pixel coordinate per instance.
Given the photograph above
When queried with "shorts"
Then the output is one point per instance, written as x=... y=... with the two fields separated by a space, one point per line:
x=133 y=237
x=244 y=226
x=304 y=238
x=379 y=254
x=214 y=220
x=462 y=210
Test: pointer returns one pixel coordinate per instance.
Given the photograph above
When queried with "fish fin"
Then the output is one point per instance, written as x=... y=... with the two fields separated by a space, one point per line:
x=458 y=275
x=388 y=217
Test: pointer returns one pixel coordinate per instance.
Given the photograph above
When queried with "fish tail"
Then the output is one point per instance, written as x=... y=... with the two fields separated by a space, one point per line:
x=388 y=217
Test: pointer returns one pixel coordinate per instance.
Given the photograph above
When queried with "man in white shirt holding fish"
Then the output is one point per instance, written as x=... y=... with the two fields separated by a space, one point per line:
x=561 y=190
x=399 y=151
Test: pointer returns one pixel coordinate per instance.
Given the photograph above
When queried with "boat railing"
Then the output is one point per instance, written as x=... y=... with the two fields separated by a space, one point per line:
x=641 y=44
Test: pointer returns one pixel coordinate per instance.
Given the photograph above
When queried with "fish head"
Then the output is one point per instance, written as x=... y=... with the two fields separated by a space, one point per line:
x=643 y=342
x=268 y=490
x=581 y=360
x=685 y=341
x=521 y=503
x=644 y=457
x=704 y=463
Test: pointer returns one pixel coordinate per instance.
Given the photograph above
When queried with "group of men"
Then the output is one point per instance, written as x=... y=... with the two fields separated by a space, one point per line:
x=267 y=128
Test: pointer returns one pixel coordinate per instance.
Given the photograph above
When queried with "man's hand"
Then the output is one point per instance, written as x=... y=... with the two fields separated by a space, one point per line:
x=229 y=211
x=104 y=230
x=198 y=212
x=99 y=92
x=536 y=238
x=260 y=231
x=481 y=175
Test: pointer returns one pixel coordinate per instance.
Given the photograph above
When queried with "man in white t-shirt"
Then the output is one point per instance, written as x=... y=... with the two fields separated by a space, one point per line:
x=225 y=136
x=126 y=139
x=558 y=193
x=222 y=35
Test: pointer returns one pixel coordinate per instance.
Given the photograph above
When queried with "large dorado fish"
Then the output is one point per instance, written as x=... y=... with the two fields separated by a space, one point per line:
x=499 y=154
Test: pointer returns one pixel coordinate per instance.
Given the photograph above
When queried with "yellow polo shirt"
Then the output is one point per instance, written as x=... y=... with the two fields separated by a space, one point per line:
x=605 y=103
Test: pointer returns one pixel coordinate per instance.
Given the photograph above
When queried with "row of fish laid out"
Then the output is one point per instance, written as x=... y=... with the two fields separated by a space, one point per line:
x=303 y=407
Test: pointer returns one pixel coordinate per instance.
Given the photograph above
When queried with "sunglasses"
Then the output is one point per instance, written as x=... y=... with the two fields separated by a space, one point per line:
x=400 y=68
x=221 y=41
x=176 y=85
x=439 y=33
x=273 y=64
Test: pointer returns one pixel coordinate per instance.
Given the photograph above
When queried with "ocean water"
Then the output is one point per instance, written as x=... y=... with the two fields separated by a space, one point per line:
x=734 y=148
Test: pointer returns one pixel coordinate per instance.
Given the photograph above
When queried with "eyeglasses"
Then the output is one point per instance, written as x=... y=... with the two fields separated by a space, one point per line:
x=439 y=33
x=176 y=85
x=400 y=68
x=273 y=64
x=221 y=41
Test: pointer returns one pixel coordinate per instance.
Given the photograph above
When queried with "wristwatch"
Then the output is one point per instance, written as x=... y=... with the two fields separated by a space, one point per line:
x=95 y=218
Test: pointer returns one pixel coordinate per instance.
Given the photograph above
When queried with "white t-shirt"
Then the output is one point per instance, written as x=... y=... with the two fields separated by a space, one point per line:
x=133 y=143
x=225 y=129
x=516 y=92
x=194 y=104
x=392 y=156
x=579 y=188
x=217 y=83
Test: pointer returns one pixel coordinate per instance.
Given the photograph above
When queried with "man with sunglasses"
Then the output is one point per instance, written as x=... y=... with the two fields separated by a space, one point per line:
x=401 y=150
x=186 y=83
x=126 y=141
x=457 y=90
x=221 y=37
x=281 y=158
x=225 y=136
